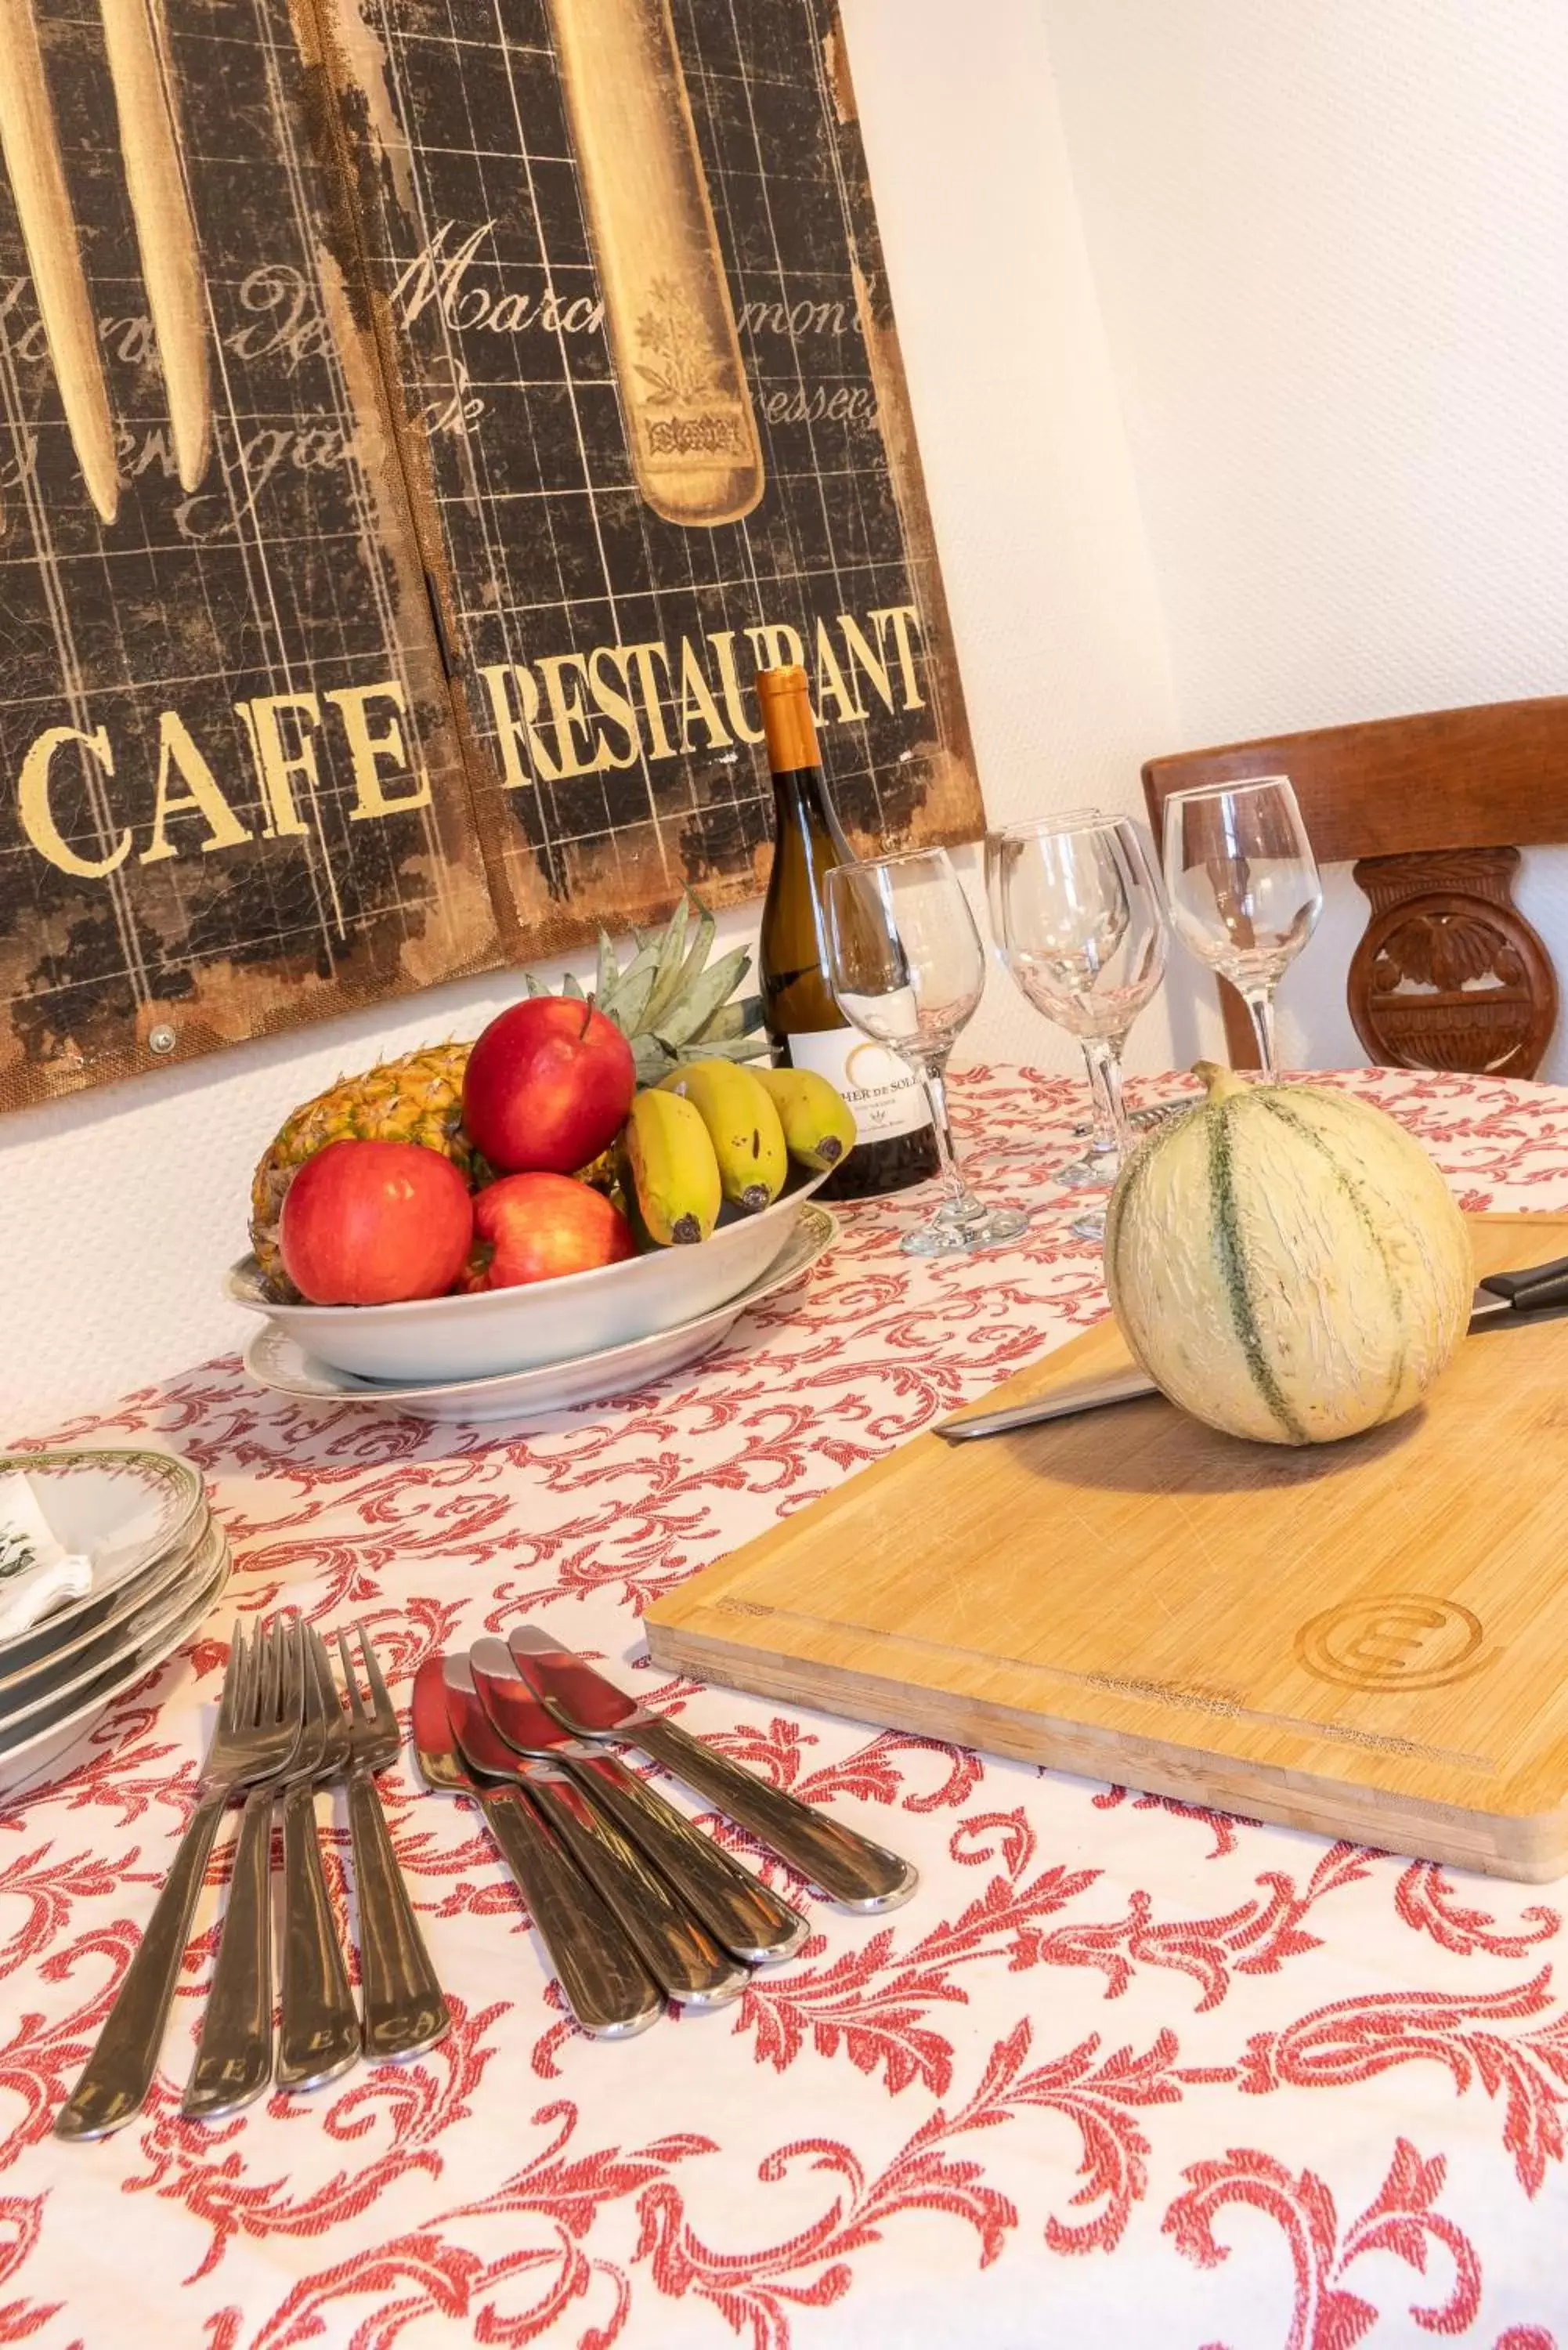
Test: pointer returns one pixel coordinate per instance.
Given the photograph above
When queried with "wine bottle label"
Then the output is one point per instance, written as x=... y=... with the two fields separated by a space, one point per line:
x=885 y=1099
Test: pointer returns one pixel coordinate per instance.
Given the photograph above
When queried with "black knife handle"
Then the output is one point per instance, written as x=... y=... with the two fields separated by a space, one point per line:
x=1533 y=1285
x=848 y=1867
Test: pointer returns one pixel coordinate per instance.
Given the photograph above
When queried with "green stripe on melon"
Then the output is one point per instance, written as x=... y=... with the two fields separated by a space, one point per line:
x=1287 y=1262
x=1235 y=1276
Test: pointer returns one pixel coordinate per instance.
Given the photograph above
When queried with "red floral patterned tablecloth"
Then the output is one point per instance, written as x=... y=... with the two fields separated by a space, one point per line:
x=1123 y=2072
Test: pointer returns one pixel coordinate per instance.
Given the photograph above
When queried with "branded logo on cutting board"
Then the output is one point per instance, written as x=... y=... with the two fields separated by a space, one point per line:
x=1401 y=1640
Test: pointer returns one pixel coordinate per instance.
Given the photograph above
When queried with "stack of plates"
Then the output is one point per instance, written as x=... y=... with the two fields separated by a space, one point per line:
x=160 y=1561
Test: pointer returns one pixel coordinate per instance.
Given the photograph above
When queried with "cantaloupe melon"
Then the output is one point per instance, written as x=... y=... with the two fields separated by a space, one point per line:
x=1287 y=1262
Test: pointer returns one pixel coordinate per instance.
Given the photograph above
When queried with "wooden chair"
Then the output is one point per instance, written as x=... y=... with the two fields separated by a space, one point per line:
x=1434 y=810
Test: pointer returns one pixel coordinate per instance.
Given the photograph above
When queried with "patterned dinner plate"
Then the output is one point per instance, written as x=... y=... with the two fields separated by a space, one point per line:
x=104 y=1638
x=114 y=1656
x=275 y=1360
x=127 y=1511
x=36 y=1751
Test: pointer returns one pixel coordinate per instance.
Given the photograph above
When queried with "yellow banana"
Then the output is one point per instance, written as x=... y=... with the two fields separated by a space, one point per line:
x=818 y=1123
x=743 y=1124
x=673 y=1168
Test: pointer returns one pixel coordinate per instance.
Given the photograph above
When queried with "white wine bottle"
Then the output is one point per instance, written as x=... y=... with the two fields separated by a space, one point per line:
x=806 y=1028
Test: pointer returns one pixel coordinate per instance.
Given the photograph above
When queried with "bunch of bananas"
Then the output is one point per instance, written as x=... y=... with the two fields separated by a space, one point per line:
x=715 y=1130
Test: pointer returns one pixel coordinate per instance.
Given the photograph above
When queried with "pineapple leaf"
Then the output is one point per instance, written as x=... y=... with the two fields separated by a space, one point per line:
x=631 y=996
x=651 y=1059
x=571 y=985
x=737 y=1018
x=668 y=971
x=608 y=969
x=717 y=985
x=754 y=1047
x=639 y=973
x=696 y=962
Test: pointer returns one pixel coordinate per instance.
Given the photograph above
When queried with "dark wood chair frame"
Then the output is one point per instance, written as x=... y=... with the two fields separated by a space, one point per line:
x=1433 y=811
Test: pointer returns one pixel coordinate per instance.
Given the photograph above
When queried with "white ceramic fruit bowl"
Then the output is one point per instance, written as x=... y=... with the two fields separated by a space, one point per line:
x=544 y=1322
x=528 y=1400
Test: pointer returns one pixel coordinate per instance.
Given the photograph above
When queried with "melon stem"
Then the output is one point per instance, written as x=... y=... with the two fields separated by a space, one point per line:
x=1221 y=1084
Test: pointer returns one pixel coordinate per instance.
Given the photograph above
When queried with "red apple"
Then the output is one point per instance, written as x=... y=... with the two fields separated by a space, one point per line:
x=537 y=1227
x=548 y=1086
x=372 y=1223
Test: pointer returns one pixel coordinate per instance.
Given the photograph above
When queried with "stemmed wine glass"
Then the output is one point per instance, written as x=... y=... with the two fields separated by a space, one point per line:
x=1245 y=888
x=1068 y=820
x=1084 y=1172
x=907 y=969
x=1084 y=937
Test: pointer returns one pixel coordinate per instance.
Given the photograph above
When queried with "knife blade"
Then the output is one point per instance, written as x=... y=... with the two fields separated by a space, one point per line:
x=605 y=1984
x=677 y=1949
x=847 y=1868
x=745 y=1915
x=1501 y=1301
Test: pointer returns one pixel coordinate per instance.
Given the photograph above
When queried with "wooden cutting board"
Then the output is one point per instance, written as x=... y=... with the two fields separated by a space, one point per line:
x=1368 y=1638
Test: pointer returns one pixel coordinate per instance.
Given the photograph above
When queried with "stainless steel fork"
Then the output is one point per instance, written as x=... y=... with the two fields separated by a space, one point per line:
x=246 y=1747
x=233 y=2056
x=318 y=2036
x=405 y=2009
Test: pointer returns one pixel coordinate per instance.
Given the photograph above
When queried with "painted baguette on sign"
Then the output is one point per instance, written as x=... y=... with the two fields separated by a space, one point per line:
x=165 y=234
x=165 y=231
x=30 y=149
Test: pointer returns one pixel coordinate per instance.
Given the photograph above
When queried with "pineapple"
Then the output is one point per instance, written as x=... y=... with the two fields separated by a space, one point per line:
x=669 y=1002
x=418 y=1098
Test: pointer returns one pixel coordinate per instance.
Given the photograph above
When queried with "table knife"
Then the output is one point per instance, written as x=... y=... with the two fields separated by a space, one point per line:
x=1502 y=1301
x=848 y=1867
x=677 y=1949
x=745 y=1915
x=607 y=1986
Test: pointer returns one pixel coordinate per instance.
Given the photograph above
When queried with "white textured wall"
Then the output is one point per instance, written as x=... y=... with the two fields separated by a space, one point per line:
x=1329 y=245
x=119 y=1208
x=1054 y=597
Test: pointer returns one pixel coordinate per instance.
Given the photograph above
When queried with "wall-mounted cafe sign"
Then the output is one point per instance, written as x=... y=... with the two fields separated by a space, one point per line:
x=412 y=436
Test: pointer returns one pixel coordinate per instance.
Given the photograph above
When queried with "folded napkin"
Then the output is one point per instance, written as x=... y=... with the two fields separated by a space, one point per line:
x=36 y=1573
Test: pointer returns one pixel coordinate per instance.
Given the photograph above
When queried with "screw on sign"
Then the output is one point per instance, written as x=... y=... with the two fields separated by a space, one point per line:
x=1401 y=1640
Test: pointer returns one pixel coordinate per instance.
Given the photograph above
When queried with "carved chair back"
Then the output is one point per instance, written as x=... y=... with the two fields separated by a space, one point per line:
x=1434 y=810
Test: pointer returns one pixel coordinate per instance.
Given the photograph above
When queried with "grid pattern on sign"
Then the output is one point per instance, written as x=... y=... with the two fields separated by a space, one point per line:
x=279 y=575
x=522 y=434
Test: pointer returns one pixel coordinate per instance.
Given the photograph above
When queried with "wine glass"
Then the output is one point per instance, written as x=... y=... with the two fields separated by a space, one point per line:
x=1084 y=937
x=907 y=969
x=1100 y=1131
x=993 y=841
x=1245 y=888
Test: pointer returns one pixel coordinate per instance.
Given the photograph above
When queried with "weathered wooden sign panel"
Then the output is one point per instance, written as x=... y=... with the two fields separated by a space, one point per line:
x=630 y=285
x=324 y=323
x=234 y=794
